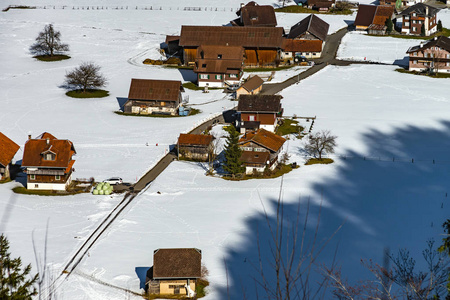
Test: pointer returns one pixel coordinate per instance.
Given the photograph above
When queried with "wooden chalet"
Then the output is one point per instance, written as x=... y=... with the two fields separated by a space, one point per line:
x=218 y=66
x=8 y=150
x=432 y=55
x=260 y=150
x=259 y=111
x=255 y=15
x=251 y=86
x=194 y=146
x=418 y=15
x=292 y=49
x=320 y=5
x=175 y=271
x=373 y=18
x=48 y=162
x=148 y=96
x=261 y=44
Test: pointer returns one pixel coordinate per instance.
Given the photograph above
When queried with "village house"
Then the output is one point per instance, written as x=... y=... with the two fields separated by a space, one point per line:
x=255 y=15
x=252 y=86
x=194 y=146
x=48 y=162
x=418 y=15
x=261 y=44
x=260 y=150
x=306 y=38
x=373 y=18
x=218 y=66
x=259 y=111
x=174 y=271
x=320 y=5
x=432 y=55
x=148 y=96
x=7 y=151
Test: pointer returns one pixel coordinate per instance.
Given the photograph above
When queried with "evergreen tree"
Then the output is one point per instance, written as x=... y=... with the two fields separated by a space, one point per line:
x=439 y=26
x=13 y=282
x=390 y=25
x=233 y=165
x=422 y=30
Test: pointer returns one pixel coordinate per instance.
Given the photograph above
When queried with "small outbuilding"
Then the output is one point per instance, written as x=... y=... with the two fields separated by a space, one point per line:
x=194 y=146
x=252 y=86
x=175 y=271
x=7 y=151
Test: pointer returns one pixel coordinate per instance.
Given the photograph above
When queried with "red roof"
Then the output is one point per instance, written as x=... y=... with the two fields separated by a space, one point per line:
x=35 y=150
x=194 y=139
x=7 y=150
x=265 y=139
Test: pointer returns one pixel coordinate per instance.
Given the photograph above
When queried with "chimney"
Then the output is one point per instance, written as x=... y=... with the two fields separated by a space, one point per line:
x=242 y=5
x=48 y=141
x=29 y=136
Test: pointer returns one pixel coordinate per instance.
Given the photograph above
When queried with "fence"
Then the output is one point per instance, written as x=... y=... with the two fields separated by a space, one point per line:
x=393 y=159
x=95 y=7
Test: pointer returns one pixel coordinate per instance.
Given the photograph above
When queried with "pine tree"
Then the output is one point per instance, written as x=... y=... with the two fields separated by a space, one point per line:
x=422 y=30
x=439 y=26
x=233 y=165
x=389 y=25
x=13 y=280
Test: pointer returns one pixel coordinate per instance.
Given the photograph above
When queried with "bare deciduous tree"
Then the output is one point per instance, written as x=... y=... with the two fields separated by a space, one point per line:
x=86 y=76
x=321 y=142
x=48 y=42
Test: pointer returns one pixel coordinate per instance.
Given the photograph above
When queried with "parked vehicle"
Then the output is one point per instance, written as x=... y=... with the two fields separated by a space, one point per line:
x=114 y=180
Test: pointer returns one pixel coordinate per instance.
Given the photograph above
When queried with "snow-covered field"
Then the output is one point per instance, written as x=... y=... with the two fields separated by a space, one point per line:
x=374 y=111
x=279 y=76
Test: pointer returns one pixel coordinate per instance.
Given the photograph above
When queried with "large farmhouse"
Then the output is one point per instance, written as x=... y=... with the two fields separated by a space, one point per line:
x=148 y=96
x=260 y=150
x=418 y=16
x=432 y=55
x=175 y=271
x=7 y=151
x=261 y=44
x=48 y=162
x=259 y=111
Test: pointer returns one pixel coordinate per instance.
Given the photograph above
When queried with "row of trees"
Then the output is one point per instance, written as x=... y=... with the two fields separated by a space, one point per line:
x=84 y=77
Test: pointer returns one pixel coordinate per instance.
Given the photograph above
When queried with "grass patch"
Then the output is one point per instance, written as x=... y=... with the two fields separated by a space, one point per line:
x=88 y=94
x=289 y=127
x=267 y=69
x=200 y=287
x=315 y=161
x=194 y=111
x=435 y=75
x=25 y=191
x=444 y=32
x=5 y=180
x=280 y=170
x=51 y=58
x=304 y=10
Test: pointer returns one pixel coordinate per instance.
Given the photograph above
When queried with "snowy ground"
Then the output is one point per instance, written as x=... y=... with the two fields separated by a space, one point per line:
x=279 y=76
x=374 y=110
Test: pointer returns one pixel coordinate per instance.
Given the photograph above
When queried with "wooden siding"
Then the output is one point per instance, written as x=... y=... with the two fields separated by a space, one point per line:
x=48 y=178
x=265 y=119
x=254 y=57
x=189 y=55
x=199 y=153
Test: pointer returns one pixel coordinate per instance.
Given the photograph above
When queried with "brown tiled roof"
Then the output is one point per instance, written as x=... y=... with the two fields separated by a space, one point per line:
x=365 y=15
x=254 y=157
x=217 y=66
x=440 y=41
x=160 y=90
x=172 y=38
x=225 y=52
x=259 y=103
x=315 y=2
x=35 y=148
x=312 y=24
x=262 y=37
x=383 y=13
x=194 y=139
x=323 y=4
x=265 y=139
x=257 y=15
x=7 y=150
x=219 y=59
x=177 y=263
x=290 y=45
x=253 y=83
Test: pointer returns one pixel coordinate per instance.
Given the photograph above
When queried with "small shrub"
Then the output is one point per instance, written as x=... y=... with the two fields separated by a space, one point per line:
x=51 y=58
x=314 y=161
x=88 y=94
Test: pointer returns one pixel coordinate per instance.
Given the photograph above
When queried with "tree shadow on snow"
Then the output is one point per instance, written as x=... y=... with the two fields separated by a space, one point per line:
x=396 y=197
x=188 y=75
x=121 y=101
x=404 y=62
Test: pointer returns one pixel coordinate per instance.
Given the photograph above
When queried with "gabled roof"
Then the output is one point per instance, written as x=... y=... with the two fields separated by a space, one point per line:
x=420 y=10
x=35 y=148
x=254 y=157
x=225 y=52
x=383 y=13
x=290 y=45
x=219 y=59
x=195 y=139
x=177 y=263
x=253 y=14
x=263 y=37
x=265 y=139
x=365 y=15
x=442 y=42
x=252 y=84
x=160 y=90
x=312 y=24
x=259 y=103
x=7 y=150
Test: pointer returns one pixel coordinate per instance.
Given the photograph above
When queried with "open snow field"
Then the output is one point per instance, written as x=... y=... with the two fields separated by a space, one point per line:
x=374 y=111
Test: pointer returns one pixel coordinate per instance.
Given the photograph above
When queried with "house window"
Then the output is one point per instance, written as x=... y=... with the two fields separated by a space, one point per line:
x=314 y=53
x=233 y=75
x=219 y=56
x=448 y=55
x=163 y=103
x=447 y=64
x=425 y=54
x=415 y=62
x=36 y=186
x=204 y=76
x=286 y=53
x=406 y=17
x=57 y=177
x=32 y=177
x=414 y=29
x=415 y=53
x=414 y=21
x=251 y=118
x=218 y=76
x=203 y=65
x=414 y=14
x=407 y=24
x=150 y=90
